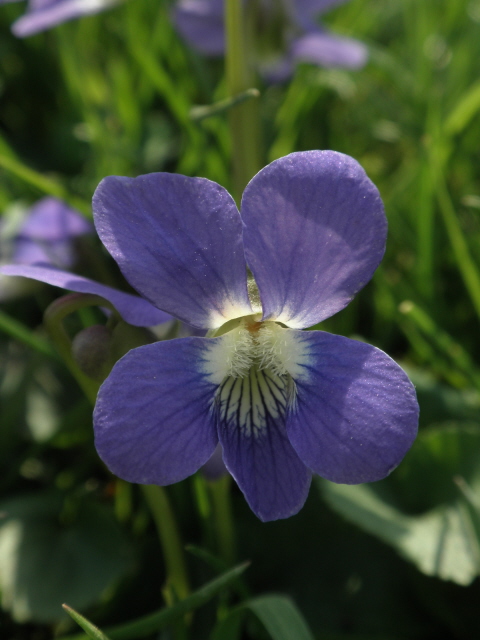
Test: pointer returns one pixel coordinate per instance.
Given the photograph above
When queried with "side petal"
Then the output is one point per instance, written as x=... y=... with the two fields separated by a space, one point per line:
x=178 y=241
x=153 y=421
x=200 y=22
x=314 y=233
x=133 y=309
x=355 y=414
x=250 y=415
x=327 y=50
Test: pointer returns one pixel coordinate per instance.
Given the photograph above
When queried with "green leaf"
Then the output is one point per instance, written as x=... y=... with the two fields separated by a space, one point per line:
x=277 y=613
x=229 y=628
x=420 y=509
x=90 y=629
x=465 y=110
x=280 y=617
x=155 y=621
x=52 y=550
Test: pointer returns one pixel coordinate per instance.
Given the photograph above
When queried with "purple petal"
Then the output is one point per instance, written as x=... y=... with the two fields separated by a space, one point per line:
x=52 y=220
x=314 y=234
x=355 y=414
x=58 y=254
x=312 y=8
x=200 y=22
x=178 y=241
x=133 y=309
x=47 y=234
x=27 y=251
x=256 y=450
x=327 y=50
x=45 y=14
x=153 y=421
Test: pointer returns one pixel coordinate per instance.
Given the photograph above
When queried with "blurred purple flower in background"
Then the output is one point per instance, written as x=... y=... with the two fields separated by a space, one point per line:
x=48 y=234
x=286 y=34
x=45 y=14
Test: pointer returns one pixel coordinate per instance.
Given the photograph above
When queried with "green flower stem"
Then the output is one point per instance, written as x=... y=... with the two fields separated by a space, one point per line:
x=244 y=116
x=220 y=491
x=10 y=164
x=22 y=333
x=201 y=112
x=177 y=587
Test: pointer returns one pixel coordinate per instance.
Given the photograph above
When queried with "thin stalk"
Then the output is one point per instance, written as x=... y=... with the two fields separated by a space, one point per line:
x=20 y=332
x=243 y=117
x=177 y=586
x=220 y=492
x=40 y=182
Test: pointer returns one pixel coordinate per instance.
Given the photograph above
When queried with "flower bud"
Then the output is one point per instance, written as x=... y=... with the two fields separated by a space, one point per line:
x=91 y=351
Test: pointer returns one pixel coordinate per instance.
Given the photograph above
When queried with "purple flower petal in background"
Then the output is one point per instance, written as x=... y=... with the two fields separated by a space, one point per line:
x=327 y=50
x=48 y=234
x=201 y=24
x=134 y=310
x=283 y=403
x=45 y=14
x=286 y=33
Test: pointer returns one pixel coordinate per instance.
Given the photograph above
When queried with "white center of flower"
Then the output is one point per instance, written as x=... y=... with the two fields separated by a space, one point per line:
x=252 y=365
x=252 y=343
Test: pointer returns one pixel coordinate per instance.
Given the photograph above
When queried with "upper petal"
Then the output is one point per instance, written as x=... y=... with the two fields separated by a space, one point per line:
x=201 y=23
x=327 y=50
x=314 y=233
x=355 y=414
x=133 y=309
x=153 y=421
x=178 y=241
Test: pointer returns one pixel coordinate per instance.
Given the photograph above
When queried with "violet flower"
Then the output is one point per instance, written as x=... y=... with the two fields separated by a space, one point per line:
x=286 y=33
x=282 y=402
x=45 y=14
